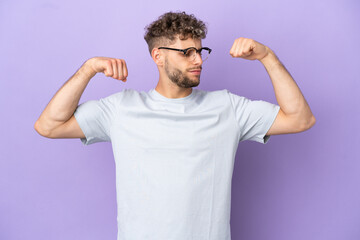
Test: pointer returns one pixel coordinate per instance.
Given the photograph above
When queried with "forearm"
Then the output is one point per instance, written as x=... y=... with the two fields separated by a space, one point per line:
x=288 y=94
x=63 y=104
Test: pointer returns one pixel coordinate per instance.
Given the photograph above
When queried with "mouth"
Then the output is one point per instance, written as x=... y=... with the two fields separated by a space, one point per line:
x=196 y=72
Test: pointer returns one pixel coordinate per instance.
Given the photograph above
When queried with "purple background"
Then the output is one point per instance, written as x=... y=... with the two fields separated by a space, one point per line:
x=297 y=186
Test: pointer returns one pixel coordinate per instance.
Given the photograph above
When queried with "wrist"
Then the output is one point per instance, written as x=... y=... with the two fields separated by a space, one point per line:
x=268 y=54
x=270 y=58
x=88 y=69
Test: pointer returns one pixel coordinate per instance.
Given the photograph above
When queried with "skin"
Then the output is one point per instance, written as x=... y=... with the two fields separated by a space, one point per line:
x=295 y=114
x=176 y=81
x=175 y=77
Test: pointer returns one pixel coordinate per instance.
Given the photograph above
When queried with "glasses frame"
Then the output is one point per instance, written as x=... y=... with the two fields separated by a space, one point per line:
x=186 y=49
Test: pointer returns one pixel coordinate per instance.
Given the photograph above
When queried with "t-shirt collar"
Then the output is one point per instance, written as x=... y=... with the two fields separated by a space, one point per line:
x=157 y=95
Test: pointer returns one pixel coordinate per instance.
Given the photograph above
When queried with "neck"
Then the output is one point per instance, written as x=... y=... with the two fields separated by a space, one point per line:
x=172 y=91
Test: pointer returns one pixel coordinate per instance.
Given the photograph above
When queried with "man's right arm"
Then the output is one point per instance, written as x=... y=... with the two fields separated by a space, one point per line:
x=57 y=120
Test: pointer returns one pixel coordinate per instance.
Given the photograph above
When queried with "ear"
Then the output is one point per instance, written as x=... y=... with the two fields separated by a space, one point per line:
x=157 y=56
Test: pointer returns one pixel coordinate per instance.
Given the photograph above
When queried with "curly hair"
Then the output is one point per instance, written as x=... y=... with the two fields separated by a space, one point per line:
x=168 y=26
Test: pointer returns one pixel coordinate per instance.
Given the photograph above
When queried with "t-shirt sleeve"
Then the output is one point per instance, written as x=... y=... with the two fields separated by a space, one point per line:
x=254 y=117
x=95 y=118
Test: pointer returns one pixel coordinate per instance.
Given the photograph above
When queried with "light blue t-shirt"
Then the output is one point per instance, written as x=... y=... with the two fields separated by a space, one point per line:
x=174 y=158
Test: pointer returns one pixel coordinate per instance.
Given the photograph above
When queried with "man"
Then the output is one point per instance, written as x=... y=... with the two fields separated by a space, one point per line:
x=174 y=146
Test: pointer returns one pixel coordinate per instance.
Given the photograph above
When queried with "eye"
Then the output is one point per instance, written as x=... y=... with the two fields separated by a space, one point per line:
x=190 y=52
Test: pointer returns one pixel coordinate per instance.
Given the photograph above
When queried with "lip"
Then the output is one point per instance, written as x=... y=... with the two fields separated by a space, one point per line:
x=196 y=72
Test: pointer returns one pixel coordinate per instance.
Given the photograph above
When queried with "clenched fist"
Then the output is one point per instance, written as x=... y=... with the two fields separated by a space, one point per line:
x=111 y=67
x=248 y=49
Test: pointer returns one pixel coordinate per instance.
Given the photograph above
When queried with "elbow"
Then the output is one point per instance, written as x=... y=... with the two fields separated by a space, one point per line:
x=310 y=123
x=40 y=130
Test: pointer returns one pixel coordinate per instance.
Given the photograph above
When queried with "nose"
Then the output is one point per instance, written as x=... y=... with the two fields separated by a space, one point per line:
x=198 y=59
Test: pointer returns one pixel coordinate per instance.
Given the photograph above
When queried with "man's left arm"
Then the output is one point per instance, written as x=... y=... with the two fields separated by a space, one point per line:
x=295 y=114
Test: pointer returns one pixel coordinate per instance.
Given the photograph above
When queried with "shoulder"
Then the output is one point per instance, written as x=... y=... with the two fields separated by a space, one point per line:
x=223 y=92
x=212 y=94
x=119 y=96
x=236 y=99
x=227 y=95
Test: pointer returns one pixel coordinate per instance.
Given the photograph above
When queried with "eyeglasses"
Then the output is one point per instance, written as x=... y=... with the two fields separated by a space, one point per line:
x=191 y=52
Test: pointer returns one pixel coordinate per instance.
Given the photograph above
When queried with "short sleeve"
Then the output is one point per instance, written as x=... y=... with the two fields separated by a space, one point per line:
x=254 y=117
x=95 y=118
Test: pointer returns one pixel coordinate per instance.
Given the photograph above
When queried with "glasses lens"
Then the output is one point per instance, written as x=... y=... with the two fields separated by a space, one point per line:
x=191 y=54
x=204 y=54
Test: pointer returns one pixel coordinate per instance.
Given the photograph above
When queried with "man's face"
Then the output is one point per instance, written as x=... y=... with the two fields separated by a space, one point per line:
x=179 y=69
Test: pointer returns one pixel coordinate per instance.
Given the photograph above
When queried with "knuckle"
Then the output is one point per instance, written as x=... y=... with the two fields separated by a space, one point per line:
x=108 y=64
